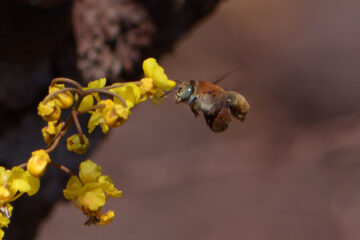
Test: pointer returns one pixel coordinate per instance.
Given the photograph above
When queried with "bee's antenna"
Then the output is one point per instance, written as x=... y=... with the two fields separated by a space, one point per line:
x=226 y=75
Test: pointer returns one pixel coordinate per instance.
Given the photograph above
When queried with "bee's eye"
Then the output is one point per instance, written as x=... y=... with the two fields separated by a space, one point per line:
x=187 y=91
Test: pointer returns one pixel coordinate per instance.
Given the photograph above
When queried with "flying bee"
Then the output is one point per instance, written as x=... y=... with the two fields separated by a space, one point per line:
x=214 y=102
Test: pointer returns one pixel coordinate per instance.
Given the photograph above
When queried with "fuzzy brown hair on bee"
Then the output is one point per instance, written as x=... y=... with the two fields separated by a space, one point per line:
x=216 y=104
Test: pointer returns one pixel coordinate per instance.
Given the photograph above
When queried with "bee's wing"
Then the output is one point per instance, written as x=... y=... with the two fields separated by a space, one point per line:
x=220 y=121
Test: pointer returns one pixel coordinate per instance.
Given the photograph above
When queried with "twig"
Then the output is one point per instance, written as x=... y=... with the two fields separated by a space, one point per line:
x=55 y=142
x=74 y=114
x=62 y=167
x=66 y=80
x=91 y=108
x=100 y=90
x=48 y=97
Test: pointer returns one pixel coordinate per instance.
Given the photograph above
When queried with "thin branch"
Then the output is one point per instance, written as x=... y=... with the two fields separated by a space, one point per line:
x=66 y=80
x=91 y=108
x=62 y=167
x=55 y=142
x=74 y=114
x=23 y=165
x=48 y=97
x=100 y=90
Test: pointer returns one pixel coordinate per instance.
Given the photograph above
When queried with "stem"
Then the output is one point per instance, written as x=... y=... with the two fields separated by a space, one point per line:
x=66 y=80
x=48 y=97
x=54 y=144
x=74 y=114
x=23 y=165
x=100 y=90
x=62 y=167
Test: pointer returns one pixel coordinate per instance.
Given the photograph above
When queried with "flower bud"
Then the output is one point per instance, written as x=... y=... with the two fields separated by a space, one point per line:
x=64 y=99
x=77 y=143
x=38 y=162
x=116 y=116
x=49 y=111
x=51 y=131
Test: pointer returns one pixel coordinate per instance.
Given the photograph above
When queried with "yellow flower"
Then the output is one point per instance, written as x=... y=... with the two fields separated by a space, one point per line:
x=149 y=89
x=14 y=183
x=49 y=111
x=97 y=116
x=77 y=144
x=155 y=82
x=64 y=99
x=88 y=101
x=116 y=116
x=130 y=92
x=5 y=214
x=90 y=191
x=38 y=162
x=51 y=131
x=146 y=85
x=153 y=70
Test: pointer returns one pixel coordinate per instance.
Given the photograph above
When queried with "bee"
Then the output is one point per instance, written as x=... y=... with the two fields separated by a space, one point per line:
x=216 y=104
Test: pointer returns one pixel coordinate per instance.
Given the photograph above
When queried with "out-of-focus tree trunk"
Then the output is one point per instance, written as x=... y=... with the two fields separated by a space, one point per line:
x=84 y=40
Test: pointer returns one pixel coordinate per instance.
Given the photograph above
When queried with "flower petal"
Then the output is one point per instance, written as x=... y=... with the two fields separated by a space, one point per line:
x=89 y=172
x=148 y=66
x=92 y=197
x=130 y=92
x=108 y=186
x=107 y=218
x=73 y=188
x=87 y=102
x=97 y=83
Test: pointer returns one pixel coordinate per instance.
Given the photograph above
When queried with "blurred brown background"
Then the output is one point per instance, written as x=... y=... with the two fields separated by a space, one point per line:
x=290 y=171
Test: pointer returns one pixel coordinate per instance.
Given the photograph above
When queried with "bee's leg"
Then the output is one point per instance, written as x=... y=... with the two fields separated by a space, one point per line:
x=195 y=108
x=196 y=113
x=215 y=108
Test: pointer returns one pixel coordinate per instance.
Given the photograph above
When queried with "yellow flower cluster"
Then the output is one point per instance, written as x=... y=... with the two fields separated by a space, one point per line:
x=113 y=113
x=90 y=191
x=13 y=184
